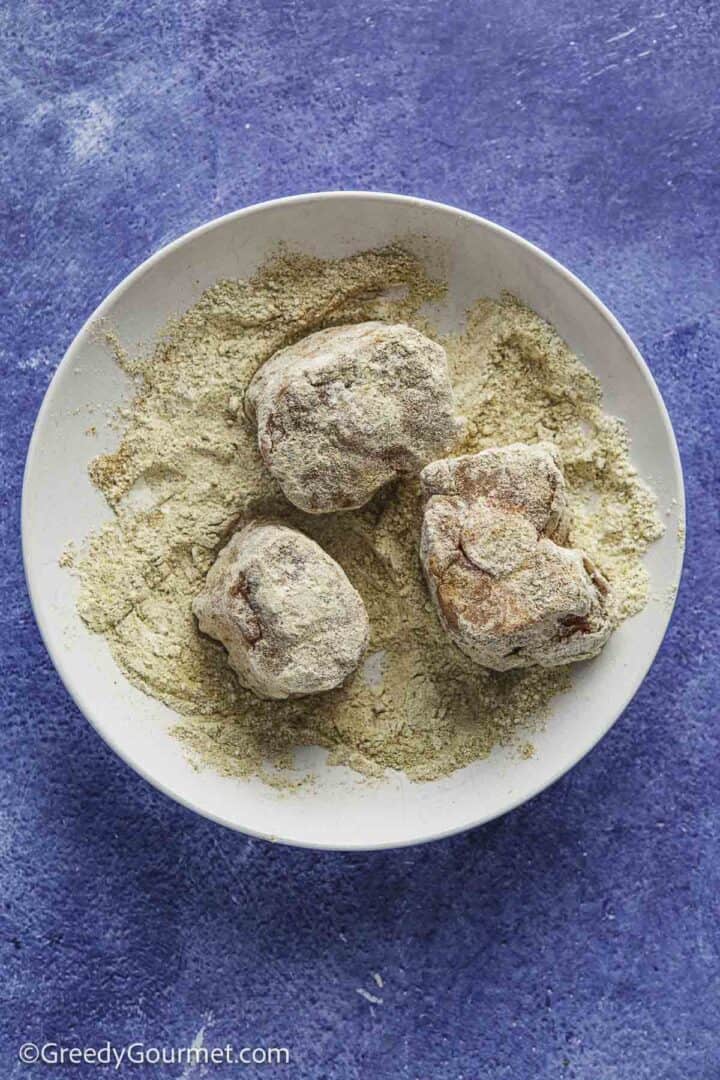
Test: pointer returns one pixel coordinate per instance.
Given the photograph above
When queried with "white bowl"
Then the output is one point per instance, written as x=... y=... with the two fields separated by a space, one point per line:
x=59 y=505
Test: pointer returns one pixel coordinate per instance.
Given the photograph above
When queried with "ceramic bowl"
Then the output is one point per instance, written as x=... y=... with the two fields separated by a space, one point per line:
x=340 y=810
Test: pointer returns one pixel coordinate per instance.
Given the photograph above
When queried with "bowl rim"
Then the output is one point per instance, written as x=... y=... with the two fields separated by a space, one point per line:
x=76 y=692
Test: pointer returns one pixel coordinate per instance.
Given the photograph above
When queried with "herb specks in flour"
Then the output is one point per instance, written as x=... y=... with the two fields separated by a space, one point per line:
x=187 y=472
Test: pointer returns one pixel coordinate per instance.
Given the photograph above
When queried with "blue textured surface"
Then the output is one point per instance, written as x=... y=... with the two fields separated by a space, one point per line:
x=579 y=936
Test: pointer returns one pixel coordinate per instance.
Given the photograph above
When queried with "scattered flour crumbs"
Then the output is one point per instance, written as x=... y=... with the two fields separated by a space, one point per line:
x=187 y=472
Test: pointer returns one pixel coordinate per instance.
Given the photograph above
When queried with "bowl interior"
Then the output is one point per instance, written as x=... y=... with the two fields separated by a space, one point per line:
x=60 y=505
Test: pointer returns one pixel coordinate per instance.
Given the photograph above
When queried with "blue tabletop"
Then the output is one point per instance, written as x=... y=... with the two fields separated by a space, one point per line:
x=578 y=936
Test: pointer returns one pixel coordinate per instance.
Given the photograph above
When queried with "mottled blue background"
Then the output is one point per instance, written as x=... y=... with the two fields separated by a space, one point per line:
x=577 y=937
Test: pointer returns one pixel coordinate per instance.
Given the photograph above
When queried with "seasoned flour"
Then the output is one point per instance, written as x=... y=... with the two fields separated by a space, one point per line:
x=187 y=472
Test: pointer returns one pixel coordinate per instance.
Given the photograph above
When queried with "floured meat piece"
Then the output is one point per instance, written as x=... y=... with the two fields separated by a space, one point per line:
x=346 y=409
x=506 y=591
x=285 y=611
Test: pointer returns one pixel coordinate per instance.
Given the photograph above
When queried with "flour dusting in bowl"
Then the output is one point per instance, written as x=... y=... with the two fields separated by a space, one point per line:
x=187 y=473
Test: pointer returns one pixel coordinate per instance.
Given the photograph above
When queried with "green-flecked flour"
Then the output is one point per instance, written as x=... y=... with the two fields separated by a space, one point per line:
x=187 y=472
